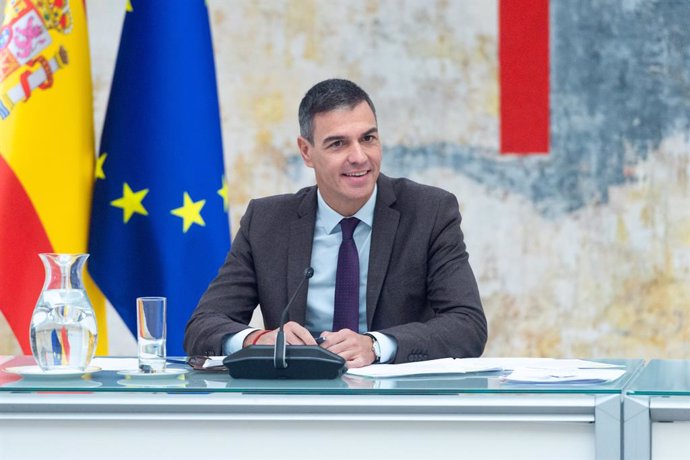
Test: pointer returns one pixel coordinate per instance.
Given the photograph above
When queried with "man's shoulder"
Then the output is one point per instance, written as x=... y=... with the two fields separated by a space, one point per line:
x=419 y=206
x=283 y=200
x=408 y=190
x=284 y=206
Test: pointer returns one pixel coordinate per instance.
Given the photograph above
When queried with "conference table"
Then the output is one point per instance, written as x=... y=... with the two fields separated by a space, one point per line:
x=210 y=415
x=657 y=412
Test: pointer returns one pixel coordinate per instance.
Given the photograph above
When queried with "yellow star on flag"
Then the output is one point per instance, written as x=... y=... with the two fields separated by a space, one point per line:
x=223 y=192
x=130 y=202
x=190 y=212
x=100 y=174
x=128 y=6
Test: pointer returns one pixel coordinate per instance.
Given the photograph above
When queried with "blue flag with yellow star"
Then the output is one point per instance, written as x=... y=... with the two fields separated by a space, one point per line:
x=159 y=223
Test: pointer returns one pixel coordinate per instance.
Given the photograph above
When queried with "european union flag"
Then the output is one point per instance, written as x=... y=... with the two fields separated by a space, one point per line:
x=159 y=224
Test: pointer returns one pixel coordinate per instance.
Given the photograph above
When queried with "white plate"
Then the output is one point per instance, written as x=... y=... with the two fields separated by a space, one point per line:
x=136 y=383
x=37 y=372
x=70 y=384
x=138 y=374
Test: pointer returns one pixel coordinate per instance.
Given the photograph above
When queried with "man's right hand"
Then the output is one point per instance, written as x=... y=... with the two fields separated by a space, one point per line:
x=295 y=334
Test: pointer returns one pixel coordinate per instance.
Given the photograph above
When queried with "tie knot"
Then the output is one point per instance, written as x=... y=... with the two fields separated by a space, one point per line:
x=347 y=226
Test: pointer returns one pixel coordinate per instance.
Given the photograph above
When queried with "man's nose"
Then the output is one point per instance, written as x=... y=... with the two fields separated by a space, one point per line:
x=357 y=154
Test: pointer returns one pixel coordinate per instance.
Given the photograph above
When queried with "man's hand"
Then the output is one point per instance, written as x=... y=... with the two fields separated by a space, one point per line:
x=295 y=334
x=355 y=348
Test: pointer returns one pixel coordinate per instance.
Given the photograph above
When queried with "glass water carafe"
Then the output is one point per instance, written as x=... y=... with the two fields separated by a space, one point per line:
x=63 y=326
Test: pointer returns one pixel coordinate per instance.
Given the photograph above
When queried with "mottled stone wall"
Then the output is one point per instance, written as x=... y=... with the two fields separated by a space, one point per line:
x=583 y=252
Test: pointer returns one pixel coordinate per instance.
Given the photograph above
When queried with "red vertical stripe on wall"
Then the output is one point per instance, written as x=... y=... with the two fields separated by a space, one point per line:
x=524 y=75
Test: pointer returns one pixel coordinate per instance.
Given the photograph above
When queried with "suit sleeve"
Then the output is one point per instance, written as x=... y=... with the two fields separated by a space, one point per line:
x=456 y=326
x=228 y=303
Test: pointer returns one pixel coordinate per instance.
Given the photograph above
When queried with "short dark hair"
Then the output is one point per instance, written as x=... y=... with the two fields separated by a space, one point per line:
x=326 y=96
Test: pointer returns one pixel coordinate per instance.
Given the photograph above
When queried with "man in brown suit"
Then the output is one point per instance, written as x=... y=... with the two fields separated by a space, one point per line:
x=417 y=296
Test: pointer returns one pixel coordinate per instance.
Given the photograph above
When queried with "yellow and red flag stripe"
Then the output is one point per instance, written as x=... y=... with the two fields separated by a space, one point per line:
x=46 y=151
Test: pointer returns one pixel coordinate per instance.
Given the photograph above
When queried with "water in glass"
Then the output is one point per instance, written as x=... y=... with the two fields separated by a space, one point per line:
x=151 y=355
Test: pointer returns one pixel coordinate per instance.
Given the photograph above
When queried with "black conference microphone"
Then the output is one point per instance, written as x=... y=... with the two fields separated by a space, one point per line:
x=285 y=361
x=279 y=361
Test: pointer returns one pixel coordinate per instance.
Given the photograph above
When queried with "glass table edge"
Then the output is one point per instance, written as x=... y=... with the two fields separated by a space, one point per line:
x=619 y=386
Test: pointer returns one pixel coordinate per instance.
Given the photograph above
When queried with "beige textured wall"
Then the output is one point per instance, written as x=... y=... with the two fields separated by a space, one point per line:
x=611 y=278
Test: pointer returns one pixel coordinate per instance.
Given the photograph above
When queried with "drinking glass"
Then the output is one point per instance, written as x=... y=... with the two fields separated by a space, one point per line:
x=151 y=333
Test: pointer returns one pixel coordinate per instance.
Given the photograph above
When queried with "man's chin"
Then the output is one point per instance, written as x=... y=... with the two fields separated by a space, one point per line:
x=360 y=193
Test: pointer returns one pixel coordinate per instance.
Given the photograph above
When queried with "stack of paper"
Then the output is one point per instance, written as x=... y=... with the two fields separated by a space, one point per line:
x=549 y=370
x=528 y=375
x=435 y=366
x=524 y=370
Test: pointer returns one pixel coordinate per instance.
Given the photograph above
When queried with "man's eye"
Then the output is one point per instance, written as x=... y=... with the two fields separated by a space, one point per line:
x=369 y=138
x=335 y=144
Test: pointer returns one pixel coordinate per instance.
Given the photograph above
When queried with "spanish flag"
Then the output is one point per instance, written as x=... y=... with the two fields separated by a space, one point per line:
x=47 y=155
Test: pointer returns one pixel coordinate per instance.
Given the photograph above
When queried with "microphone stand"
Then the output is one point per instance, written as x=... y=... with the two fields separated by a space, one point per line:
x=282 y=361
x=279 y=356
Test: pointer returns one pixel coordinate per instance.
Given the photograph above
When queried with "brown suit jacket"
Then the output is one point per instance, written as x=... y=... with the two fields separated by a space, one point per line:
x=420 y=287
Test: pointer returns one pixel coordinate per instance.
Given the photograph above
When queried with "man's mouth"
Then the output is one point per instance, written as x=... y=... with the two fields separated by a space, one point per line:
x=355 y=174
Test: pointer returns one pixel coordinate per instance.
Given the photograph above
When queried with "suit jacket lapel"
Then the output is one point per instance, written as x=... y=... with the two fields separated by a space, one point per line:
x=299 y=253
x=382 y=236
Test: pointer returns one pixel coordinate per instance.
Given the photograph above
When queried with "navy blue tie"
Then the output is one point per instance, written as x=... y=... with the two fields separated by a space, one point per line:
x=346 y=308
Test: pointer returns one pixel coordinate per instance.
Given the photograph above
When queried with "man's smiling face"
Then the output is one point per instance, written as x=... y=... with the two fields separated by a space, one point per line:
x=345 y=156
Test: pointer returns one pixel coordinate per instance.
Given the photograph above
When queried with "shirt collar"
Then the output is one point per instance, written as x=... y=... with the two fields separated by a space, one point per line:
x=329 y=219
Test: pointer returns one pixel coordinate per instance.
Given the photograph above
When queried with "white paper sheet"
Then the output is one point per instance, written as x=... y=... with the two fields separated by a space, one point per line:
x=214 y=361
x=468 y=365
x=435 y=366
x=591 y=376
x=548 y=363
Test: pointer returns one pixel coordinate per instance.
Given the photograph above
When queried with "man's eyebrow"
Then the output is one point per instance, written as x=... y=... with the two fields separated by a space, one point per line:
x=373 y=130
x=330 y=139
x=338 y=137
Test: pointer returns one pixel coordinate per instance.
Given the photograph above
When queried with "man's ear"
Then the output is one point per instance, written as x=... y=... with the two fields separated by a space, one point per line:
x=305 y=150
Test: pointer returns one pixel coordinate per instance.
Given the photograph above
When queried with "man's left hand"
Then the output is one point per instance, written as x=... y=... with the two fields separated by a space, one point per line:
x=355 y=348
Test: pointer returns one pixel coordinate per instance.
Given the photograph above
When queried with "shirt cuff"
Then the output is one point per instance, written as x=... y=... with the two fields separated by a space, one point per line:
x=234 y=342
x=387 y=344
